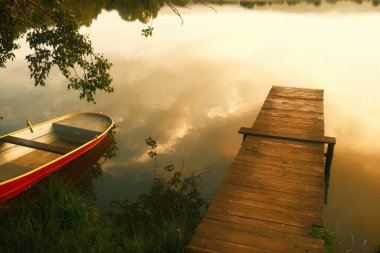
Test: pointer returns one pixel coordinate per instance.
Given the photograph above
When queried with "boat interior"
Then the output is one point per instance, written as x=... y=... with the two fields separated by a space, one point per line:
x=33 y=147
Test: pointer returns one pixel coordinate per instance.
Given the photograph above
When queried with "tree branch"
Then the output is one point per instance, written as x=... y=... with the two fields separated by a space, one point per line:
x=174 y=9
x=19 y=9
x=212 y=8
x=43 y=10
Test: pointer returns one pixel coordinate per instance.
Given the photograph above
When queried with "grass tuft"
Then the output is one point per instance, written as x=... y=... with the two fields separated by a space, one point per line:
x=327 y=236
x=57 y=221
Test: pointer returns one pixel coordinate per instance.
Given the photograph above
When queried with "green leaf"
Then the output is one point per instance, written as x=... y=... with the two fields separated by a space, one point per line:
x=147 y=32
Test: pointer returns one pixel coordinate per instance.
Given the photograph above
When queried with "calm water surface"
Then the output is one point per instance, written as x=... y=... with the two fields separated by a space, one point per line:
x=192 y=86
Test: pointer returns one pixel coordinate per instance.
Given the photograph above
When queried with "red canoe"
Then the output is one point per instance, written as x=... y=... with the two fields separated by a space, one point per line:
x=32 y=153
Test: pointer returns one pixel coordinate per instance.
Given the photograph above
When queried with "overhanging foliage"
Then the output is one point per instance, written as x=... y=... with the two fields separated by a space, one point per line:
x=55 y=40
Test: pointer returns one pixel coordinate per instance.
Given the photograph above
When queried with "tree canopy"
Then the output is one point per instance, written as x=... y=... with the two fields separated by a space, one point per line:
x=52 y=32
x=51 y=29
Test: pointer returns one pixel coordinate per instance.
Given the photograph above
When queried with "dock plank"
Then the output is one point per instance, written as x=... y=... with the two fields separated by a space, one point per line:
x=289 y=164
x=275 y=236
x=258 y=238
x=211 y=245
x=269 y=225
x=282 y=207
x=291 y=114
x=295 y=105
x=274 y=196
x=274 y=185
x=273 y=193
x=274 y=172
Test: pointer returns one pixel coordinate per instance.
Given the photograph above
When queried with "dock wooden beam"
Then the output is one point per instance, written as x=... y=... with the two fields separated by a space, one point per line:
x=274 y=192
x=330 y=141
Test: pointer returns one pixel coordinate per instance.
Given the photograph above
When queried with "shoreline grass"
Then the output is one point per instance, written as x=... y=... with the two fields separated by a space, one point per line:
x=60 y=220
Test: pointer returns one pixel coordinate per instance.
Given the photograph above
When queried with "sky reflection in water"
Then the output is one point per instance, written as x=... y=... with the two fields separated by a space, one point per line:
x=192 y=86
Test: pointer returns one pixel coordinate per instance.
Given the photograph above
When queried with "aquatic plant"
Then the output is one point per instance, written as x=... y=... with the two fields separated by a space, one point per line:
x=327 y=236
x=377 y=249
x=167 y=214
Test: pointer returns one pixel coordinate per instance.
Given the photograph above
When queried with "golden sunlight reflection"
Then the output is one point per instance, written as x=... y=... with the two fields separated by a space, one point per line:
x=191 y=87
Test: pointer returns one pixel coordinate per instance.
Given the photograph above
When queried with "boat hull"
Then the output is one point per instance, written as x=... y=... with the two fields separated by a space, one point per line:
x=13 y=187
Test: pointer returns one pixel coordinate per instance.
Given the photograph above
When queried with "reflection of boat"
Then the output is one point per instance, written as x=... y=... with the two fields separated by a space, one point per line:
x=32 y=153
x=88 y=166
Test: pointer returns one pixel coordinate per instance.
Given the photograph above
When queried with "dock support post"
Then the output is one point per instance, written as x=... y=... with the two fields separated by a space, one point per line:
x=327 y=185
x=329 y=157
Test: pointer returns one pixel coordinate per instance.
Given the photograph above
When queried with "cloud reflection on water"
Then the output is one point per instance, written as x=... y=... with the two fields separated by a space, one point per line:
x=191 y=87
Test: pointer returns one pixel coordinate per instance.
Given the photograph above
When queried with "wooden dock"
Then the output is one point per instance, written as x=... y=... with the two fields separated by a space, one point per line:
x=273 y=193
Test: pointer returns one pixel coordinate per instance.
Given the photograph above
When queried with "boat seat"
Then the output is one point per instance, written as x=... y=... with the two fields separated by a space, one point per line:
x=35 y=145
x=74 y=134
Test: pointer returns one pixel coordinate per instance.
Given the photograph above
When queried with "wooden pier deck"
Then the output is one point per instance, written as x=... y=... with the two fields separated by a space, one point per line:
x=273 y=193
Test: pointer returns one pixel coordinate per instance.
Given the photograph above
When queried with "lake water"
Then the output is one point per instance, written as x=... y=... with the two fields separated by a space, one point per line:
x=192 y=86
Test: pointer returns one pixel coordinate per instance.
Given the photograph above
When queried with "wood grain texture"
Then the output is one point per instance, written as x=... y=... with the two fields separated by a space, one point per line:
x=36 y=156
x=36 y=145
x=274 y=190
x=25 y=164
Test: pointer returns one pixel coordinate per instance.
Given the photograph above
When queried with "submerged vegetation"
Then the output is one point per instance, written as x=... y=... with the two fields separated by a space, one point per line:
x=327 y=236
x=62 y=220
x=377 y=250
x=332 y=244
